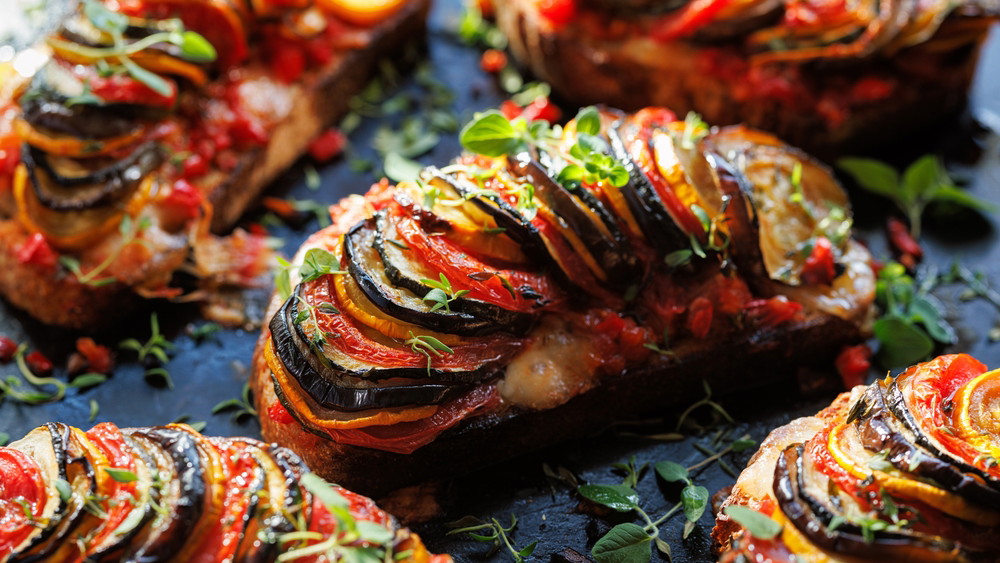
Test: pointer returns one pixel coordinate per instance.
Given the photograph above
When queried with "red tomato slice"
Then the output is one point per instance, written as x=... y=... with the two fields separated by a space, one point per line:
x=221 y=542
x=682 y=214
x=440 y=253
x=817 y=449
x=109 y=440
x=932 y=385
x=21 y=487
x=407 y=437
x=353 y=341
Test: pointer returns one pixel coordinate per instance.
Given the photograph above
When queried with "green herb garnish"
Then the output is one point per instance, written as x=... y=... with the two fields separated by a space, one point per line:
x=494 y=532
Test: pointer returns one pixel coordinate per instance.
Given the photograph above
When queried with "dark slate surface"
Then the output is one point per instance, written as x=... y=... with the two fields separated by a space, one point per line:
x=210 y=372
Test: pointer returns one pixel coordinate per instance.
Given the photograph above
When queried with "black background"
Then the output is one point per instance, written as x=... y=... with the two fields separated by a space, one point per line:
x=215 y=370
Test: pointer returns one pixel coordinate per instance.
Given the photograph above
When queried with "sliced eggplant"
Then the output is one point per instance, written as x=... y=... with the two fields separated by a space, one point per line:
x=364 y=263
x=795 y=198
x=404 y=270
x=880 y=431
x=585 y=216
x=337 y=381
x=895 y=400
x=456 y=218
x=813 y=518
x=45 y=105
x=180 y=496
x=285 y=500
x=657 y=225
x=67 y=184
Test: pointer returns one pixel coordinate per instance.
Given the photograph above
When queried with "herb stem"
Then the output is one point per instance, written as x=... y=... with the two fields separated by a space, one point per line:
x=666 y=516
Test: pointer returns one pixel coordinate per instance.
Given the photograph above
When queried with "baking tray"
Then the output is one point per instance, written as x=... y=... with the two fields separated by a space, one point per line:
x=213 y=370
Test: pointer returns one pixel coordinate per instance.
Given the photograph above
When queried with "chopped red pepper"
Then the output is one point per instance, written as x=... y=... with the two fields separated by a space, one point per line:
x=493 y=61
x=853 y=364
x=819 y=268
x=98 y=356
x=194 y=166
x=327 y=145
x=902 y=240
x=699 y=319
x=772 y=312
x=288 y=61
x=278 y=413
x=557 y=12
x=36 y=250
x=38 y=363
x=540 y=108
x=184 y=199
x=7 y=349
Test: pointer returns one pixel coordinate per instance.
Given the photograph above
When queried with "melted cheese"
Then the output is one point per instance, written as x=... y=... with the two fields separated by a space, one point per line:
x=551 y=370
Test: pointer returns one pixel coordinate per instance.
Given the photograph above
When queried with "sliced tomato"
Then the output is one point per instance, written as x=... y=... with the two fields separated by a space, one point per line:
x=640 y=151
x=407 y=437
x=456 y=264
x=824 y=461
x=352 y=339
x=120 y=496
x=22 y=491
x=933 y=385
x=242 y=472
x=687 y=20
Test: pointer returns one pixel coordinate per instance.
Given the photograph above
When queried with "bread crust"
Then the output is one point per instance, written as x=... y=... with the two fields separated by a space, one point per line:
x=53 y=296
x=679 y=75
x=769 y=355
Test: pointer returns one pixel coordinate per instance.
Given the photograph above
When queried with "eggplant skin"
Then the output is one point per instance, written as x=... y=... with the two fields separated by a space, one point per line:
x=277 y=501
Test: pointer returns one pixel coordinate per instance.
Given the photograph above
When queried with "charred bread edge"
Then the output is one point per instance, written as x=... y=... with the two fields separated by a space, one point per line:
x=64 y=302
x=619 y=80
x=768 y=355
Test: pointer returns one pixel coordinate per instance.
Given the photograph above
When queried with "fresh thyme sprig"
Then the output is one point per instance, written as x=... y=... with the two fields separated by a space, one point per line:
x=241 y=406
x=130 y=231
x=427 y=346
x=441 y=293
x=154 y=353
x=492 y=531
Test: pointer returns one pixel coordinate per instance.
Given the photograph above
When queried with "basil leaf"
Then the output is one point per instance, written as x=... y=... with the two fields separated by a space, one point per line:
x=694 y=499
x=926 y=309
x=951 y=194
x=921 y=178
x=195 y=47
x=318 y=262
x=588 y=121
x=615 y=497
x=902 y=342
x=742 y=444
x=671 y=472
x=121 y=475
x=401 y=169
x=625 y=543
x=759 y=525
x=872 y=175
x=490 y=134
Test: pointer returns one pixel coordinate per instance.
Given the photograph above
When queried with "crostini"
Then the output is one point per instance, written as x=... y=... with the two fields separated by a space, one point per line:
x=904 y=469
x=140 y=126
x=826 y=76
x=548 y=282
